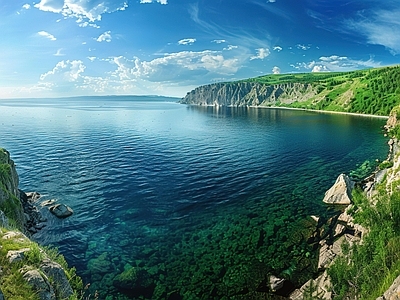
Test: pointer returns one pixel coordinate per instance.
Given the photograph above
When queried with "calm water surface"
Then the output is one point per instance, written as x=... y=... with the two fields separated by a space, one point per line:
x=182 y=202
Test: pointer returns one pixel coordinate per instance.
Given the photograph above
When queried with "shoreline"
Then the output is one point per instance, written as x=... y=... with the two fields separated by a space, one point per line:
x=293 y=108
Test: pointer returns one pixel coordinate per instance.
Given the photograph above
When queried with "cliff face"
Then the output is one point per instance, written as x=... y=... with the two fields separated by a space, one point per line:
x=10 y=204
x=249 y=94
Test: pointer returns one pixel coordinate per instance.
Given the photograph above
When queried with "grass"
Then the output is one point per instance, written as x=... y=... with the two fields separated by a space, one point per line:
x=373 y=265
x=11 y=282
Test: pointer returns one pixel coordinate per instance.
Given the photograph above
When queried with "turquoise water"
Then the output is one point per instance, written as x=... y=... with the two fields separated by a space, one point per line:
x=182 y=202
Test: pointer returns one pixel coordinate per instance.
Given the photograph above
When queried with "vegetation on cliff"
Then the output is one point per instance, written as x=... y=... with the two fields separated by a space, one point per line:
x=21 y=258
x=373 y=91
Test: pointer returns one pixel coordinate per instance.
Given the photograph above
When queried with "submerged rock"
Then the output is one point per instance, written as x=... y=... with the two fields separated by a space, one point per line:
x=61 y=211
x=340 y=192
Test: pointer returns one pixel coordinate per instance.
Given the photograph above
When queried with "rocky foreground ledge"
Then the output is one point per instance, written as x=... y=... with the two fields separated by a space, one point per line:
x=342 y=228
x=44 y=273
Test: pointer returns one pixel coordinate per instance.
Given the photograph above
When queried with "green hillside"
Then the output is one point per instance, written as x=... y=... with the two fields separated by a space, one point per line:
x=372 y=91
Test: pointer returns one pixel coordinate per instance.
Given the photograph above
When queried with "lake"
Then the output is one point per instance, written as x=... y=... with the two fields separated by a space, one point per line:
x=183 y=202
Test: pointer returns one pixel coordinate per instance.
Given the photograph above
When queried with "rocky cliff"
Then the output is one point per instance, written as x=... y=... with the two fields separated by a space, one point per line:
x=249 y=94
x=27 y=271
x=10 y=204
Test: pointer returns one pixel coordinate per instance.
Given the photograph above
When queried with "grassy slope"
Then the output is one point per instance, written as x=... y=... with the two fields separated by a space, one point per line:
x=372 y=91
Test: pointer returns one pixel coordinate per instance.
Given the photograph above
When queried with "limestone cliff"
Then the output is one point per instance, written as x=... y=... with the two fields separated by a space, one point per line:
x=249 y=94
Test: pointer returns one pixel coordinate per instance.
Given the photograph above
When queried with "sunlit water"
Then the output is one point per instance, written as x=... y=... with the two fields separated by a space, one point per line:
x=191 y=202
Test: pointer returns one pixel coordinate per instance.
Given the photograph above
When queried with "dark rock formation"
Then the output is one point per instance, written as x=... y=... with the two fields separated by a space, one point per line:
x=61 y=210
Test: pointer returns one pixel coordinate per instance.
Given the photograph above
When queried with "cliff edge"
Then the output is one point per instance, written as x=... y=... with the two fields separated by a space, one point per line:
x=27 y=270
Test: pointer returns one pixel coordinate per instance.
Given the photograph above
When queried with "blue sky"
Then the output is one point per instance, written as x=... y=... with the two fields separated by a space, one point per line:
x=57 y=48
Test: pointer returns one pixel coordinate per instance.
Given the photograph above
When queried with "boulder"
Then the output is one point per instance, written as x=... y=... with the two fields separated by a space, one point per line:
x=16 y=255
x=39 y=283
x=340 y=192
x=60 y=282
x=61 y=210
x=275 y=283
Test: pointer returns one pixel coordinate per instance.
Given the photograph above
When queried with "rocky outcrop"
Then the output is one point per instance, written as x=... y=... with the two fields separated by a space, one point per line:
x=340 y=192
x=46 y=277
x=249 y=94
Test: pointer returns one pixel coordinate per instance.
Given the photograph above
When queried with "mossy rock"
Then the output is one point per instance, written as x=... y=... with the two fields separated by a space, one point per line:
x=134 y=282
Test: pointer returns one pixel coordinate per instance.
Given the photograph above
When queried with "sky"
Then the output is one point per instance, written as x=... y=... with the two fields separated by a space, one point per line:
x=62 y=48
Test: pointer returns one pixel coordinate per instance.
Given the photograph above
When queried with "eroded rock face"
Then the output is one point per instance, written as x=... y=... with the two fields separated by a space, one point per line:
x=340 y=192
x=249 y=94
x=39 y=283
x=55 y=271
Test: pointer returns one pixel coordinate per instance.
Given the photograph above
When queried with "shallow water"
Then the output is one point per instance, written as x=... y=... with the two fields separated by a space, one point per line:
x=190 y=202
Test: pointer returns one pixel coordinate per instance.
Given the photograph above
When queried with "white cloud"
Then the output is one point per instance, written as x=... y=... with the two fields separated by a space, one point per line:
x=271 y=1
x=261 y=53
x=58 y=53
x=302 y=47
x=151 y=1
x=335 y=63
x=186 y=41
x=26 y=6
x=219 y=41
x=277 y=48
x=230 y=47
x=64 y=72
x=276 y=70
x=319 y=68
x=82 y=10
x=104 y=37
x=92 y=58
x=381 y=27
x=47 y=35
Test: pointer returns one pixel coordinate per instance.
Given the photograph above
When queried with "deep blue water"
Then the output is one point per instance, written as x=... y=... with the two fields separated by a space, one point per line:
x=201 y=202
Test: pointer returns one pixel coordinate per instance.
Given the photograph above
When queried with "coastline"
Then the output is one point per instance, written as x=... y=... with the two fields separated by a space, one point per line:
x=293 y=108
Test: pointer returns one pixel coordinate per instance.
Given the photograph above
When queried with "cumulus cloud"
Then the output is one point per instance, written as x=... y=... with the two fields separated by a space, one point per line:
x=64 y=71
x=151 y=1
x=219 y=41
x=336 y=63
x=261 y=53
x=186 y=41
x=26 y=6
x=175 y=66
x=82 y=10
x=277 y=48
x=104 y=37
x=381 y=27
x=276 y=70
x=47 y=35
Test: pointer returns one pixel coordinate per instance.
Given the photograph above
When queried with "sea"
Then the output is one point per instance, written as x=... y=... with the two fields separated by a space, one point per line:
x=184 y=202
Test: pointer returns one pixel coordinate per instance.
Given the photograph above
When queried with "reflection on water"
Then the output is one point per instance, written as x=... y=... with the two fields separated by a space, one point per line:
x=183 y=201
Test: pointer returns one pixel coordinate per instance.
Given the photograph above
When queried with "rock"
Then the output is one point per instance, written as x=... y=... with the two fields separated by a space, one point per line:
x=16 y=255
x=340 y=192
x=33 y=196
x=275 y=283
x=319 y=288
x=393 y=293
x=39 y=283
x=1 y=295
x=48 y=202
x=60 y=282
x=61 y=210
